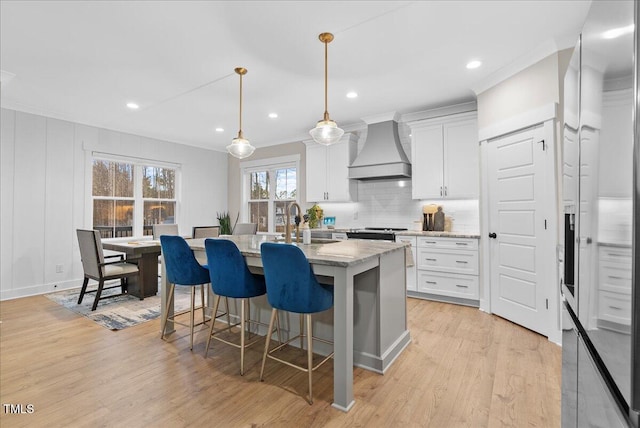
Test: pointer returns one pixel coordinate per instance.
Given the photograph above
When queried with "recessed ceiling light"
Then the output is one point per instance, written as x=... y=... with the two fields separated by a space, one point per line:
x=273 y=115
x=133 y=106
x=352 y=94
x=219 y=129
x=617 y=32
x=473 y=64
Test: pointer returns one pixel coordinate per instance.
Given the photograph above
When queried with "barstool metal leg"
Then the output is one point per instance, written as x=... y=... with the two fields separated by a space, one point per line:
x=242 y=327
x=310 y=357
x=192 y=314
x=213 y=321
x=165 y=316
x=266 y=345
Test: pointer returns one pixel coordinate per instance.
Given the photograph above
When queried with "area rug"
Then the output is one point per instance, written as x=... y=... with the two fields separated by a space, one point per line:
x=120 y=312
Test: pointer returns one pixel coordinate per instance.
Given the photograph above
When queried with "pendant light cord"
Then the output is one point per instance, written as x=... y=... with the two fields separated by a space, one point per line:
x=326 y=72
x=240 y=125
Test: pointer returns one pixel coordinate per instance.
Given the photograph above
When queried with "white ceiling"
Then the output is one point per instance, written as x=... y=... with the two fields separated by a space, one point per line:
x=83 y=61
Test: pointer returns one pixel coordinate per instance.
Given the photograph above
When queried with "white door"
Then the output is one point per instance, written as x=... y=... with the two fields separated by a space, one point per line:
x=516 y=203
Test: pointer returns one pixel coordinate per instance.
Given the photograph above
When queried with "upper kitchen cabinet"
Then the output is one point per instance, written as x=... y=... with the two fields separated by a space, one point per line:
x=328 y=170
x=445 y=157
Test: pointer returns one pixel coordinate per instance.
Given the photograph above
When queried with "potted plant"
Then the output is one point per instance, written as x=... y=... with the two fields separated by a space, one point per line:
x=224 y=219
x=315 y=214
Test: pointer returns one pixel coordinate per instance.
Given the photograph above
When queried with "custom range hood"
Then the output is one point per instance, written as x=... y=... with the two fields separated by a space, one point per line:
x=382 y=155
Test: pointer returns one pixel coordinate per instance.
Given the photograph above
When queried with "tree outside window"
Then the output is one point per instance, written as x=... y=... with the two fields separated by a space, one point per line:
x=116 y=200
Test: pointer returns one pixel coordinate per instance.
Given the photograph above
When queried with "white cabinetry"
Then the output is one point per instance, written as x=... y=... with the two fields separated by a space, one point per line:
x=447 y=269
x=445 y=157
x=328 y=172
x=411 y=270
x=614 y=293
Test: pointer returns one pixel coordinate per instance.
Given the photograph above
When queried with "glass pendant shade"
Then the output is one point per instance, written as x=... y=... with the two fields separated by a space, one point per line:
x=240 y=148
x=326 y=132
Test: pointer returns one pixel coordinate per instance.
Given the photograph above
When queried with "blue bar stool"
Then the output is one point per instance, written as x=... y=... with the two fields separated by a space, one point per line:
x=183 y=269
x=293 y=287
x=230 y=277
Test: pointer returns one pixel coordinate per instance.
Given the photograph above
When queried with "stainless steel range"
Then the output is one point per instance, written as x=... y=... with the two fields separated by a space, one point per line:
x=377 y=233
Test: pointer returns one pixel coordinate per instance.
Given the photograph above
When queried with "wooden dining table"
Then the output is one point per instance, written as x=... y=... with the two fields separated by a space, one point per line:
x=144 y=253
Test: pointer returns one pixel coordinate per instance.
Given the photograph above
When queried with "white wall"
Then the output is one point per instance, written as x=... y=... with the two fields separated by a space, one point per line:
x=45 y=194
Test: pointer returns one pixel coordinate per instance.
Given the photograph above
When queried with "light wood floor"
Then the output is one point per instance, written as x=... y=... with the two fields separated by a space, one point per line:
x=462 y=368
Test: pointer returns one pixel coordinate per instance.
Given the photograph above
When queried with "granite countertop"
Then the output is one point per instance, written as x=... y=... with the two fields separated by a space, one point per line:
x=325 y=252
x=405 y=233
x=614 y=244
x=439 y=234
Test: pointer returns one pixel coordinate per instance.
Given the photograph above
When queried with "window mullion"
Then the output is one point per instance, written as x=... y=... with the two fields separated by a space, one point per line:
x=138 y=206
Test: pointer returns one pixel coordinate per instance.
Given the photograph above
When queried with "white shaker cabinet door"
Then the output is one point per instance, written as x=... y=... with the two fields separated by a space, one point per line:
x=339 y=156
x=427 y=166
x=316 y=165
x=461 y=160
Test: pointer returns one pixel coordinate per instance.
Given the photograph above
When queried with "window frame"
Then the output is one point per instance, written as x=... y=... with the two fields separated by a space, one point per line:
x=267 y=164
x=138 y=199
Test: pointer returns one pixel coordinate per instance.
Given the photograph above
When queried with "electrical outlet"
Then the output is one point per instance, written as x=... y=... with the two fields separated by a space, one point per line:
x=355 y=215
x=59 y=268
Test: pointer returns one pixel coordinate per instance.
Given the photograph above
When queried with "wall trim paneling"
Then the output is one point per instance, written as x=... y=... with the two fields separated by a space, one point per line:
x=46 y=181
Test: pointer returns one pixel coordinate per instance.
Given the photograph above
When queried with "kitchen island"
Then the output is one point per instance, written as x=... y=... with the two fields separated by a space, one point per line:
x=369 y=322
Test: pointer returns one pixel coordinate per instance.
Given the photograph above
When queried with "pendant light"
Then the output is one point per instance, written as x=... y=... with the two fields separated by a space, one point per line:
x=326 y=131
x=240 y=147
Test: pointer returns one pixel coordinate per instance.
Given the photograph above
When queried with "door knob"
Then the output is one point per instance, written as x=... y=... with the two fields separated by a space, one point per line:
x=493 y=235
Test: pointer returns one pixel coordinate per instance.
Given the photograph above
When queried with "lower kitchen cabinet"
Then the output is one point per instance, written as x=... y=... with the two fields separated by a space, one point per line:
x=614 y=293
x=447 y=269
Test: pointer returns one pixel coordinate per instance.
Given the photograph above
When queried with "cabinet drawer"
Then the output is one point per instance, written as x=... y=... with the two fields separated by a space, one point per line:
x=615 y=254
x=454 y=285
x=410 y=239
x=615 y=278
x=448 y=243
x=448 y=261
x=614 y=307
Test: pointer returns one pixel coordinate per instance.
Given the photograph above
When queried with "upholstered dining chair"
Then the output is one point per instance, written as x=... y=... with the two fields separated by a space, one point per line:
x=206 y=232
x=164 y=229
x=245 y=229
x=230 y=277
x=95 y=267
x=184 y=270
x=293 y=287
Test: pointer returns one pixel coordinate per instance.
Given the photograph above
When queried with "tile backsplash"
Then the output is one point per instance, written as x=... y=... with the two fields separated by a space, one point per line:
x=388 y=203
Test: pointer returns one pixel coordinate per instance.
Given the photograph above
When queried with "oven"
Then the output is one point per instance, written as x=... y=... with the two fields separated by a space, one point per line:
x=375 y=233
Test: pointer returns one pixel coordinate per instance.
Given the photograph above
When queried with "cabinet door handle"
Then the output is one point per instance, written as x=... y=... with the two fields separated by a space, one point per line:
x=461 y=243
x=615 y=277
x=431 y=282
x=430 y=242
x=461 y=261
x=445 y=190
x=430 y=260
x=440 y=190
x=615 y=307
x=462 y=286
x=617 y=255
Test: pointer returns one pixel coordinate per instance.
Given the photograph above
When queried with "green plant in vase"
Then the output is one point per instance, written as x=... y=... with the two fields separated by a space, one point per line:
x=315 y=214
x=224 y=219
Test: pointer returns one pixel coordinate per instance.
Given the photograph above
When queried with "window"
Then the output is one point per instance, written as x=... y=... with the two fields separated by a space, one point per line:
x=270 y=188
x=123 y=190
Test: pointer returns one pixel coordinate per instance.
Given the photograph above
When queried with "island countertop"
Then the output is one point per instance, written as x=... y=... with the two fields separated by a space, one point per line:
x=333 y=253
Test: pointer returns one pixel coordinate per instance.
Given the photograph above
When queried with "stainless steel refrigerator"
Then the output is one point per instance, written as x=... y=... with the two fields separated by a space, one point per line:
x=601 y=200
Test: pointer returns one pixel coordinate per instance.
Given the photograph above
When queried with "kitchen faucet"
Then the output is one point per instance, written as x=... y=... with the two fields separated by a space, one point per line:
x=287 y=227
